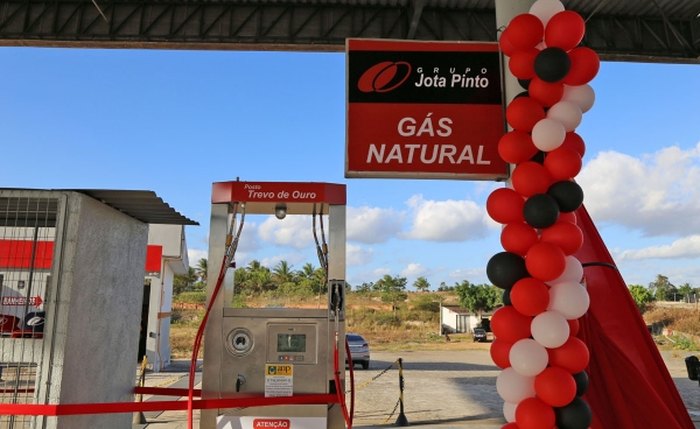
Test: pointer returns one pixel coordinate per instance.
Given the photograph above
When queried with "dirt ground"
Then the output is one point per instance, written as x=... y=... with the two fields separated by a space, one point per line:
x=446 y=388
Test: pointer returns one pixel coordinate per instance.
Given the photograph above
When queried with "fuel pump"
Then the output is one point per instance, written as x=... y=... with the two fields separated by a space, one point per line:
x=276 y=352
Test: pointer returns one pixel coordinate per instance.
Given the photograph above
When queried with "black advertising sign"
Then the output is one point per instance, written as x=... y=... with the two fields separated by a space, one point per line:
x=424 y=110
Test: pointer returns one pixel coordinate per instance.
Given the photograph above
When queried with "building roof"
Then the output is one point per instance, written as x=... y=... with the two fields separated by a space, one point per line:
x=619 y=30
x=144 y=206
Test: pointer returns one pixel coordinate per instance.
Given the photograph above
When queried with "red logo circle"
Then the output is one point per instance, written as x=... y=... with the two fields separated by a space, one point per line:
x=384 y=77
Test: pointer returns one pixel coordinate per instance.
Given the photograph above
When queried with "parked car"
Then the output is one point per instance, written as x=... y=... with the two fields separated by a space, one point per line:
x=359 y=350
x=480 y=335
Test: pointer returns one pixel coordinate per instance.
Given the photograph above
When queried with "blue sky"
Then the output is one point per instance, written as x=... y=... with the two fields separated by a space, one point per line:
x=176 y=121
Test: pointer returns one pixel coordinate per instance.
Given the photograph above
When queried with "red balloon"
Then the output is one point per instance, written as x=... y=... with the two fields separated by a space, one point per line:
x=563 y=163
x=509 y=325
x=565 y=30
x=525 y=31
x=530 y=178
x=530 y=296
x=574 y=326
x=518 y=238
x=511 y=425
x=523 y=113
x=532 y=413
x=504 y=205
x=500 y=351
x=522 y=63
x=575 y=142
x=573 y=356
x=566 y=235
x=545 y=261
x=545 y=93
x=506 y=46
x=584 y=66
x=555 y=386
x=567 y=217
x=516 y=147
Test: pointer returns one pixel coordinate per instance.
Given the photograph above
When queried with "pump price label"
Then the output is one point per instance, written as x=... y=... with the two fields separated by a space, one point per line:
x=279 y=380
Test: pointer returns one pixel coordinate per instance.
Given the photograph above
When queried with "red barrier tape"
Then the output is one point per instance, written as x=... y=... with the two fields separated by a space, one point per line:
x=131 y=407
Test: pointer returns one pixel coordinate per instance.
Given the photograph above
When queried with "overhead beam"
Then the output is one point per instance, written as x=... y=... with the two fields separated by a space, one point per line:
x=293 y=25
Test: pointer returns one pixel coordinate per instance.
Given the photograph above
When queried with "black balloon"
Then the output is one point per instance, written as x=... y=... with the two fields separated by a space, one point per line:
x=506 y=297
x=552 y=64
x=538 y=157
x=541 y=211
x=568 y=194
x=505 y=268
x=522 y=94
x=576 y=415
x=524 y=83
x=581 y=380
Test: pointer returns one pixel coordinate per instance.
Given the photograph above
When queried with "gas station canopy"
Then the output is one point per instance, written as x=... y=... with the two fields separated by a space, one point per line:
x=620 y=30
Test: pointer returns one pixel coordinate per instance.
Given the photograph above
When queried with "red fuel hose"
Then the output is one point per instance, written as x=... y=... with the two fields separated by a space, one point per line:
x=339 y=388
x=352 y=381
x=198 y=343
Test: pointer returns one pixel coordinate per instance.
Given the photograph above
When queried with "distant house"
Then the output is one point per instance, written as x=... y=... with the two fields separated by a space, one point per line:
x=456 y=319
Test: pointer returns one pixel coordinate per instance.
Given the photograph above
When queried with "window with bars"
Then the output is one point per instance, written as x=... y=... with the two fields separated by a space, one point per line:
x=27 y=239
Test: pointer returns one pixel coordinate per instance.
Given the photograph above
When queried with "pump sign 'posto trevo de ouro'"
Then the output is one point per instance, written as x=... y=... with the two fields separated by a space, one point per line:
x=424 y=110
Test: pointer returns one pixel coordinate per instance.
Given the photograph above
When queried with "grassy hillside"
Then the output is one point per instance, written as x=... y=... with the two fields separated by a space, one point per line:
x=414 y=324
x=410 y=324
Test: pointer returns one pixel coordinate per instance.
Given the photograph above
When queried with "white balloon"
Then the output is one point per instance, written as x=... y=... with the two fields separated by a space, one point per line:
x=566 y=112
x=550 y=329
x=583 y=96
x=570 y=299
x=509 y=411
x=528 y=357
x=546 y=9
x=573 y=272
x=548 y=134
x=513 y=387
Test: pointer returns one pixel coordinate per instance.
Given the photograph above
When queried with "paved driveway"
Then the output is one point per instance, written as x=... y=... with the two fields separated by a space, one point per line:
x=442 y=389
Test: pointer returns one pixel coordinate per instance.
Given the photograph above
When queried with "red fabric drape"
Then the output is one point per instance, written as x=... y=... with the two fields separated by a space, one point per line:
x=630 y=386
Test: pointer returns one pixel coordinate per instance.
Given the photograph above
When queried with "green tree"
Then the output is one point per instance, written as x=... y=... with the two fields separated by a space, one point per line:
x=365 y=288
x=478 y=298
x=686 y=292
x=641 y=296
x=283 y=273
x=184 y=282
x=421 y=284
x=392 y=289
x=201 y=270
x=662 y=288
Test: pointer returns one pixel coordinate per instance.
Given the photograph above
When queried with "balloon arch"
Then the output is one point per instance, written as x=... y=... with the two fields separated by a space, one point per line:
x=543 y=377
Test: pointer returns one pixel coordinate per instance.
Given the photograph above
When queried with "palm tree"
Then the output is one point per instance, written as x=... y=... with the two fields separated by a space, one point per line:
x=282 y=273
x=201 y=270
x=421 y=284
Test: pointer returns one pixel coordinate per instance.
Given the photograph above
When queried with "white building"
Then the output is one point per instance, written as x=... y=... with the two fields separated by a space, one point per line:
x=167 y=256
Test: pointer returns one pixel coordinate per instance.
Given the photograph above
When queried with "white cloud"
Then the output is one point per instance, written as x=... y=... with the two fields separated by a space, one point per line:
x=413 y=270
x=358 y=255
x=448 y=220
x=194 y=255
x=378 y=273
x=293 y=231
x=657 y=194
x=372 y=224
x=687 y=247
x=248 y=242
x=293 y=259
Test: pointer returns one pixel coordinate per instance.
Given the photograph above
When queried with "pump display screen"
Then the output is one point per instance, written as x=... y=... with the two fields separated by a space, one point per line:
x=291 y=343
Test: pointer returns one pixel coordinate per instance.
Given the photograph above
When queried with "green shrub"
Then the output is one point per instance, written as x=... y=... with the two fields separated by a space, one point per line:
x=387 y=319
x=193 y=297
x=427 y=302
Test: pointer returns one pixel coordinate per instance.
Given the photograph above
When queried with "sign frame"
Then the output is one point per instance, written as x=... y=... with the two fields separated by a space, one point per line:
x=383 y=84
